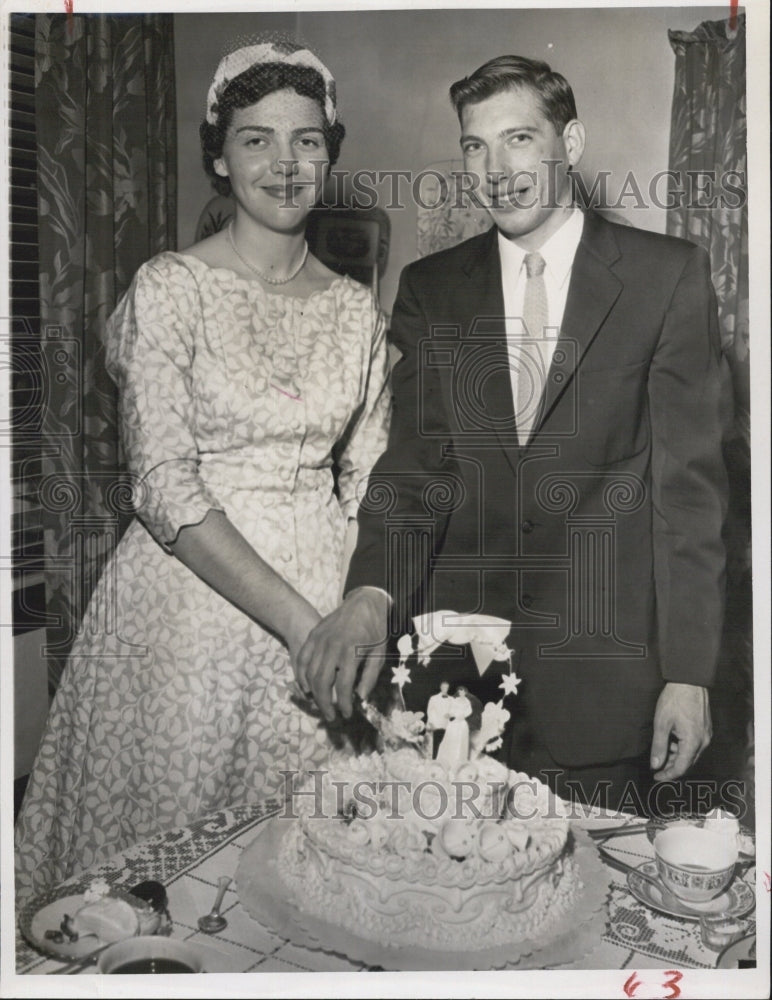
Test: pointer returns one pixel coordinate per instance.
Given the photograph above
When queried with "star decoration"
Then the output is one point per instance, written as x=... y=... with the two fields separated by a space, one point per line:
x=509 y=683
x=400 y=675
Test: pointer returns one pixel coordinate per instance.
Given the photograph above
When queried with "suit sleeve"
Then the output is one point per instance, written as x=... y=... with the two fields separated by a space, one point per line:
x=688 y=479
x=397 y=494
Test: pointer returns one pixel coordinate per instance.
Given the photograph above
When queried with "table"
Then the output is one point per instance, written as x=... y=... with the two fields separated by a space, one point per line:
x=189 y=860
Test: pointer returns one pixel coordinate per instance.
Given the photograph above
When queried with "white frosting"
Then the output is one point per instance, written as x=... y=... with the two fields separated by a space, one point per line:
x=486 y=869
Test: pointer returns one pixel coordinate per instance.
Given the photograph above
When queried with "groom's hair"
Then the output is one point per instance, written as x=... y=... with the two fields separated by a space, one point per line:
x=513 y=73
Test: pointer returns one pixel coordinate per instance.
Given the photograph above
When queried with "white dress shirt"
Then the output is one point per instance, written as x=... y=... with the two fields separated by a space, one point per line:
x=558 y=253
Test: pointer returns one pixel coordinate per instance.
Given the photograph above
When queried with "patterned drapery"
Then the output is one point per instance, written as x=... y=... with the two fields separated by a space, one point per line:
x=107 y=174
x=445 y=216
x=708 y=139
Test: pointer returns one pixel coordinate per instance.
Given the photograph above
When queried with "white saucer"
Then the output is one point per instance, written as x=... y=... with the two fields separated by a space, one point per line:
x=734 y=902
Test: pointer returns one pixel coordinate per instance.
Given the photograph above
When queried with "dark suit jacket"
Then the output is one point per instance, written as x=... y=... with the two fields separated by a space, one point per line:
x=601 y=538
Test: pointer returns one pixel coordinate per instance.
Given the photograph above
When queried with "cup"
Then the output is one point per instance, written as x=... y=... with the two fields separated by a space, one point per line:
x=149 y=955
x=695 y=864
x=719 y=930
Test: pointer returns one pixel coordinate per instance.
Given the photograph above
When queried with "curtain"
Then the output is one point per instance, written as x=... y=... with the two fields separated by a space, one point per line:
x=708 y=137
x=105 y=112
x=445 y=217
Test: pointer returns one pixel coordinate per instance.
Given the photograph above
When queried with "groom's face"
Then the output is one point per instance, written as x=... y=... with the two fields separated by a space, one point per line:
x=520 y=163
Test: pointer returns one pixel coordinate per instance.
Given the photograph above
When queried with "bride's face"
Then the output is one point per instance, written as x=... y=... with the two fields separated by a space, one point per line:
x=276 y=158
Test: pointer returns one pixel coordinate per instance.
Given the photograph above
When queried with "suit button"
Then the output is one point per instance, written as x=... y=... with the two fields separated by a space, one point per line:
x=527 y=601
x=527 y=527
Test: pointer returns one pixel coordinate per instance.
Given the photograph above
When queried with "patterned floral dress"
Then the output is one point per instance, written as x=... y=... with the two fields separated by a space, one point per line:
x=232 y=398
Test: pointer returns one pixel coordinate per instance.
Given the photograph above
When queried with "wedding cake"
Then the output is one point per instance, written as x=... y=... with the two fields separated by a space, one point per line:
x=437 y=847
x=399 y=849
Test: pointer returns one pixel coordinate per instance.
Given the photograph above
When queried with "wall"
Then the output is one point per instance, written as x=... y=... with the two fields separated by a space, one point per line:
x=30 y=696
x=393 y=69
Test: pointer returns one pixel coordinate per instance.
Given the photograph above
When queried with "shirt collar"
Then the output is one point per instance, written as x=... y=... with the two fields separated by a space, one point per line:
x=558 y=251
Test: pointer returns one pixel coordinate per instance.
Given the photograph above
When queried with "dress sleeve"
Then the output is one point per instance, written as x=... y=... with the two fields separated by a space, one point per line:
x=368 y=433
x=150 y=345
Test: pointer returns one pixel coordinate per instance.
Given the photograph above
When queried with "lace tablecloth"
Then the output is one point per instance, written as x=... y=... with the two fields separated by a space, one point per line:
x=189 y=861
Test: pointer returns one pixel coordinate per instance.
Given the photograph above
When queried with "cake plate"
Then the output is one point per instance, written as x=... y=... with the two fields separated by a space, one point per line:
x=573 y=935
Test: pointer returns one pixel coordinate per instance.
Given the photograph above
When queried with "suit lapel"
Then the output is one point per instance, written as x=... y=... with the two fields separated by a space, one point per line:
x=592 y=291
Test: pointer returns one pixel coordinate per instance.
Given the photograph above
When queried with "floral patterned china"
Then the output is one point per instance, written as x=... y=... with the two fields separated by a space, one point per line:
x=695 y=863
x=735 y=901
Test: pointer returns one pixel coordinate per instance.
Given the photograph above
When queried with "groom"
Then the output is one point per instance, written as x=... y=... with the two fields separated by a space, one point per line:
x=558 y=398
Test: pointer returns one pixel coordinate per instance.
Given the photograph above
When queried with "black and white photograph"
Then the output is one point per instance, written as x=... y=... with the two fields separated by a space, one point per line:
x=385 y=500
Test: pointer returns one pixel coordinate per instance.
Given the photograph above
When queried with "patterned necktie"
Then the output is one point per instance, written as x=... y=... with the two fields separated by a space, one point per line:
x=532 y=367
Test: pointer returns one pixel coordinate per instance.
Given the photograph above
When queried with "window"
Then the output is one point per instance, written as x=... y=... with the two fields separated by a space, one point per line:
x=27 y=380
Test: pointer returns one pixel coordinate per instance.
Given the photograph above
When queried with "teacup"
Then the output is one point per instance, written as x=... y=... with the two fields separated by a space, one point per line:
x=695 y=864
x=149 y=955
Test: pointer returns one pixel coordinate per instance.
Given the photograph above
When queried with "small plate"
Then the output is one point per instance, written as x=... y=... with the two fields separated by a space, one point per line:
x=736 y=901
x=736 y=952
x=47 y=912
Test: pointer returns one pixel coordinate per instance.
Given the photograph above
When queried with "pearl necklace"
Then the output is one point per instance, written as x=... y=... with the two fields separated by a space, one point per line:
x=264 y=277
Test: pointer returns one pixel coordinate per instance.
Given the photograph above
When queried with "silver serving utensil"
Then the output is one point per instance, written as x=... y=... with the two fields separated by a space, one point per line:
x=214 y=922
x=610 y=832
x=307 y=704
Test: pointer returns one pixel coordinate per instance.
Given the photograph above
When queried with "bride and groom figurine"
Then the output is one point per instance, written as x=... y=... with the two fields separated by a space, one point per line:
x=461 y=727
x=448 y=721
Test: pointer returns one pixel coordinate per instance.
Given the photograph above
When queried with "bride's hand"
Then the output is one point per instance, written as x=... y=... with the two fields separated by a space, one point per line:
x=304 y=621
x=353 y=633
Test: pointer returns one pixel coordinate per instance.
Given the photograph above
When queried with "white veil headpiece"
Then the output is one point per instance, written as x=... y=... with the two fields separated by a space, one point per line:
x=242 y=59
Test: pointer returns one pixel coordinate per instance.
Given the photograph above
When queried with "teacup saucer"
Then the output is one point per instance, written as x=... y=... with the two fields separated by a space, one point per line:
x=734 y=902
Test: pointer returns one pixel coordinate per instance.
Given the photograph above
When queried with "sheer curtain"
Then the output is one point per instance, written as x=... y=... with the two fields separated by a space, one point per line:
x=708 y=137
x=105 y=112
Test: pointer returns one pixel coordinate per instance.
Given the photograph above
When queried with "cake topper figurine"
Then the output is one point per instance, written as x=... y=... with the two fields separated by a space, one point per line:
x=454 y=748
x=438 y=716
x=457 y=727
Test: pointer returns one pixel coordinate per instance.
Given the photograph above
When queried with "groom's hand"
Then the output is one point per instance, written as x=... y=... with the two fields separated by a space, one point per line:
x=682 y=729
x=330 y=657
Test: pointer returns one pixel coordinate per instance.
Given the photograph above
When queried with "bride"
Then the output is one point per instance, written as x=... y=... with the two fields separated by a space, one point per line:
x=454 y=748
x=246 y=370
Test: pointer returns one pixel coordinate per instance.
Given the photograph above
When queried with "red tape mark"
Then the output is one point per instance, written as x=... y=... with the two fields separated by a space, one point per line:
x=733 y=4
x=285 y=393
x=69 y=6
